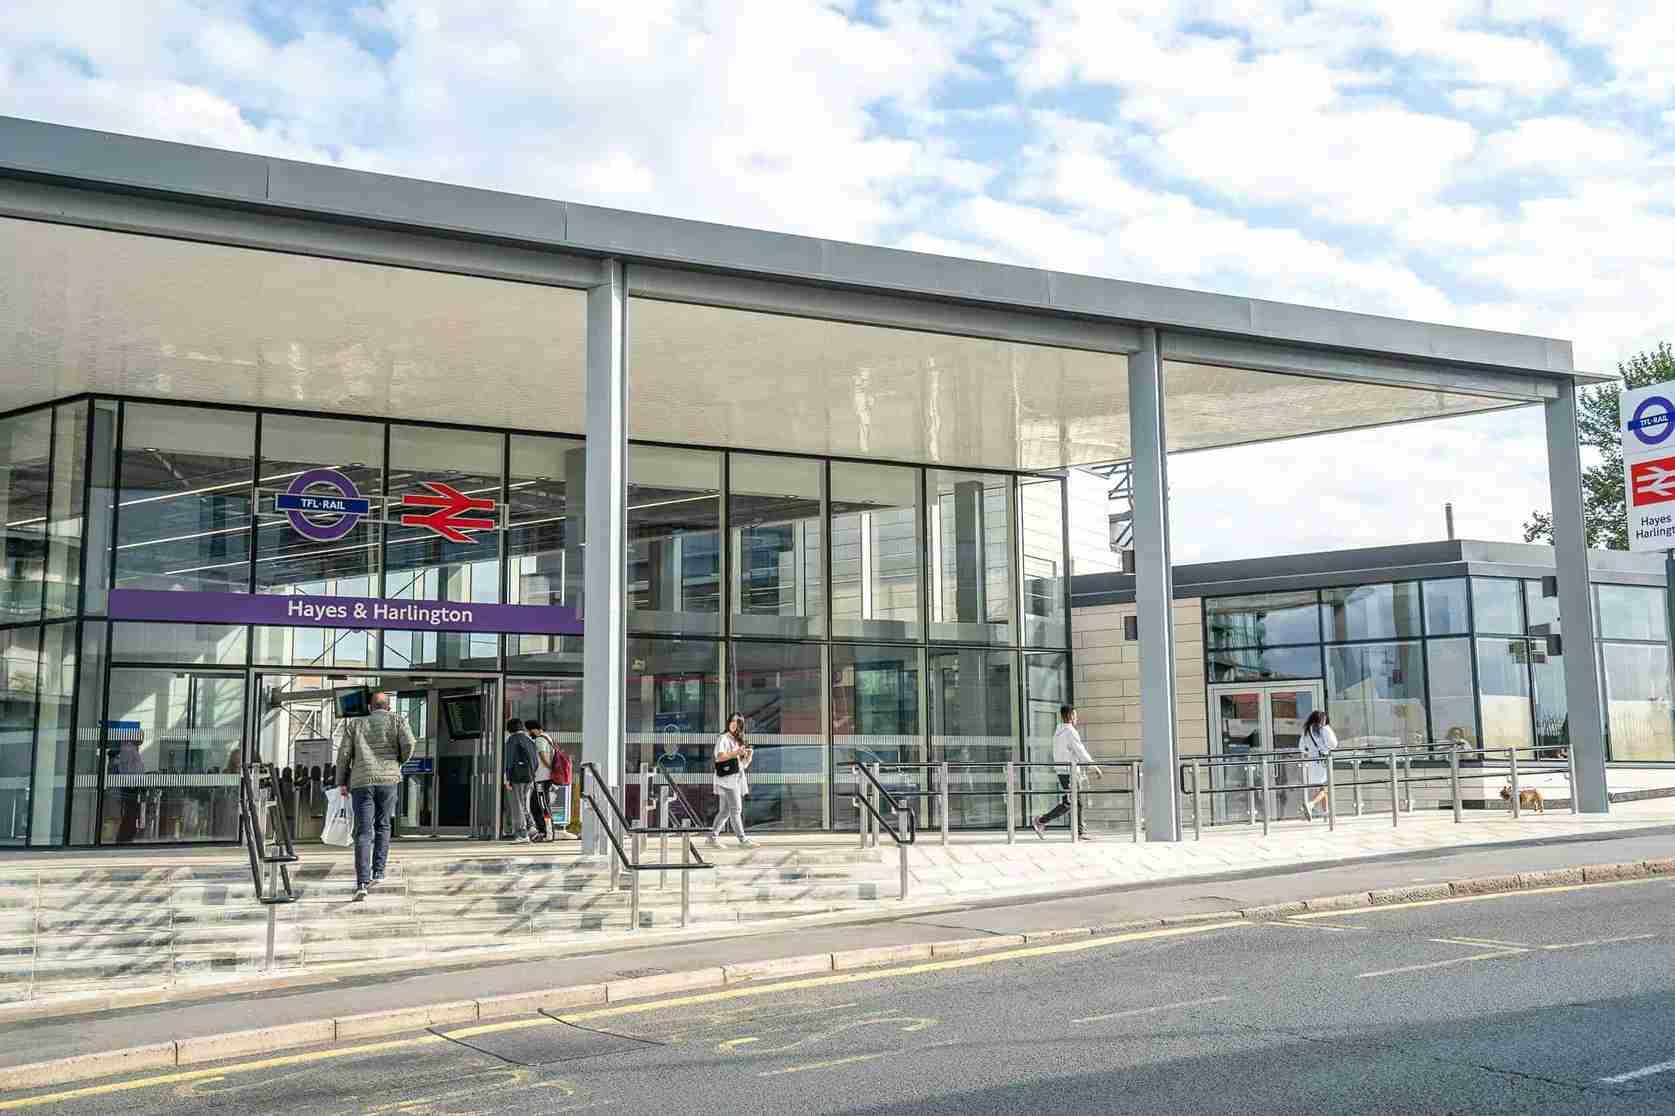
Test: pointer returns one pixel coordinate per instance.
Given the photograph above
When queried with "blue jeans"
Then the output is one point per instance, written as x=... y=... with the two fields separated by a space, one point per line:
x=374 y=807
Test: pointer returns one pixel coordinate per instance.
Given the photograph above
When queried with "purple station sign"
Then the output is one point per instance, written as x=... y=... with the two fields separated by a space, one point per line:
x=342 y=612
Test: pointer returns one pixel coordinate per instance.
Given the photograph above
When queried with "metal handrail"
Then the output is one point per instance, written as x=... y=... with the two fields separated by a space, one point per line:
x=902 y=812
x=1404 y=754
x=690 y=859
x=1012 y=790
x=865 y=796
x=277 y=864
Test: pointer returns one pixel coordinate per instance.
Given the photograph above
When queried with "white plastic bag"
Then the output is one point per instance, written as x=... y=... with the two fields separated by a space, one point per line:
x=339 y=829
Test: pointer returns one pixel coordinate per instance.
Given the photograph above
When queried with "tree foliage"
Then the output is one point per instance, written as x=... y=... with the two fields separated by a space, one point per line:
x=1598 y=425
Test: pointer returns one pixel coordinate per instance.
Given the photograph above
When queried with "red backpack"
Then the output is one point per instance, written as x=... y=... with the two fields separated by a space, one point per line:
x=561 y=766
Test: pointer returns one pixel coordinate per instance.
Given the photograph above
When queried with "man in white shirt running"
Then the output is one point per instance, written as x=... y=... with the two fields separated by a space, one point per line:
x=1067 y=748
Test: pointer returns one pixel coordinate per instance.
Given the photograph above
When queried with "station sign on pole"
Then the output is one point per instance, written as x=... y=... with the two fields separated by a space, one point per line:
x=1648 y=433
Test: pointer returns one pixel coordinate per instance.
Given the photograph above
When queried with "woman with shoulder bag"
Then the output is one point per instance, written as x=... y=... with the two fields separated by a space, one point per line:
x=1317 y=745
x=732 y=756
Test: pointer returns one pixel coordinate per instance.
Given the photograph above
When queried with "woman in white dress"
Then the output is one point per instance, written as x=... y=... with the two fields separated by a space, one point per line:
x=1317 y=746
x=732 y=756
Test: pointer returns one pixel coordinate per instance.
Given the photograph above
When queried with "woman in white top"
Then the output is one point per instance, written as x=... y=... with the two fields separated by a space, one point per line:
x=732 y=756
x=1317 y=745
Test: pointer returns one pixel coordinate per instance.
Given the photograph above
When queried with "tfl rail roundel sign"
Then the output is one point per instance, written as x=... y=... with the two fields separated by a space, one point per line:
x=1648 y=420
x=322 y=504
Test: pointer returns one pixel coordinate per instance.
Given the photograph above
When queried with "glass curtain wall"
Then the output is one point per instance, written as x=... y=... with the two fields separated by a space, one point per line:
x=1634 y=659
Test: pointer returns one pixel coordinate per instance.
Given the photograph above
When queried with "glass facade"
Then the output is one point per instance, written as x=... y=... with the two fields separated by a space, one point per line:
x=850 y=611
x=1478 y=659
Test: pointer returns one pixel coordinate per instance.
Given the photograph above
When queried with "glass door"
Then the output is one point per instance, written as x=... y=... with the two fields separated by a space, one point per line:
x=1257 y=718
x=416 y=807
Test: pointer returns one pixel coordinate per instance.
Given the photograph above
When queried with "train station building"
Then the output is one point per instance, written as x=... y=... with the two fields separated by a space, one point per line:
x=271 y=431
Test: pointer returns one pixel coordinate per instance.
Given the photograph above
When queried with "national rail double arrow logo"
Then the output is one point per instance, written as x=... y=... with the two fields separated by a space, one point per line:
x=449 y=516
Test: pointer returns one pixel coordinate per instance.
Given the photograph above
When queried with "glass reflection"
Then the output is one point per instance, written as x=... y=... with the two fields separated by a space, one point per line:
x=973 y=720
x=971 y=556
x=776 y=519
x=545 y=509
x=426 y=562
x=674 y=540
x=875 y=551
x=1041 y=519
x=183 y=514
x=1262 y=620
x=25 y=446
x=875 y=719
x=777 y=686
x=1638 y=707
x=174 y=746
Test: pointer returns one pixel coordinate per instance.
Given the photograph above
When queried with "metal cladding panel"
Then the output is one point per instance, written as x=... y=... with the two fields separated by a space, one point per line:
x=412 y=201
x=649 y=237
x=50 y=149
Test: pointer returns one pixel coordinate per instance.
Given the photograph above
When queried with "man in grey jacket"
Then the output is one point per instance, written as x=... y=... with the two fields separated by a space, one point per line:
x=522 y=761
x=369 y=769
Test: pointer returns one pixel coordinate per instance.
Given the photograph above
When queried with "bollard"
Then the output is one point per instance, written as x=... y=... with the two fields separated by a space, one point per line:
x=1395 y=800
x=1267 y=795
x=942 y=774
x=901 y=846
x=663 y=840
x=1250 y=796
x=860 y=813
x=1355 y=782
x=1454 y=778
x=1197 y=804
x=273 y=912
x=1011 y=795
x=1512 y=769
x=877 y=802
x=1331 y=795
x=634 y=886
x=1137 y=796
x=1407 y=783
x=685 y=879
x=1075 y=805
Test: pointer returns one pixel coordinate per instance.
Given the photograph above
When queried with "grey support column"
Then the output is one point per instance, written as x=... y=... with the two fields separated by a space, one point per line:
x=1570 y=551
x=1153 y=584
x=604 y=561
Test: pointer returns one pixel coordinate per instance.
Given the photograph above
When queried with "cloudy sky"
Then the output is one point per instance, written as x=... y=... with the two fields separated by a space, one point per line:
x=1497 y=164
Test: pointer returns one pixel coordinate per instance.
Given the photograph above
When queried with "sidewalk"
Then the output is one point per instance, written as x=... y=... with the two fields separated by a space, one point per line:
x=1202 y=897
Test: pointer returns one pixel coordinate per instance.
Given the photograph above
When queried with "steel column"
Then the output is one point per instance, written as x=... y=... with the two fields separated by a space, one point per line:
x=1570 y=552
x=604 y=564
x=1154 y=581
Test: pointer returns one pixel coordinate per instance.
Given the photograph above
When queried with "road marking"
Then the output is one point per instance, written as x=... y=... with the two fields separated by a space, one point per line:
x=1636 y=1075
x=1334 y=926
x=1441 y=964
x=276 y=1062
x=858 y=977
x=733 y=1044
x=1488 y=942
x=828 y=1064
x=1152 y=1010
x=861 y=976
x=1601 y=941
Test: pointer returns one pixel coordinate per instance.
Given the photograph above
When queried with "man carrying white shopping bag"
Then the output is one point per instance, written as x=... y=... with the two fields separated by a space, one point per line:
x=369 y=769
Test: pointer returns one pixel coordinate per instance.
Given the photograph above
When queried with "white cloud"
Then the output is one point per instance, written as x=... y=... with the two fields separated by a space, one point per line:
x=1453 y=160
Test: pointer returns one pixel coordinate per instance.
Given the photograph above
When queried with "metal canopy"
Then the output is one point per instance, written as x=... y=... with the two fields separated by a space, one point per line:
x=218 y=180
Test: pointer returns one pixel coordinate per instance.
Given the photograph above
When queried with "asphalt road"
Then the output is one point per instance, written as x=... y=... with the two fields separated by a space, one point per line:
x=1543 y=1002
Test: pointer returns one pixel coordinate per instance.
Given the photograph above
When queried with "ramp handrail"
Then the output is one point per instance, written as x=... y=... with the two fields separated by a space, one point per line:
x=865 y=797
x=1014 y=791
x=258 y=834
x=1400 y=786
x=690 y=859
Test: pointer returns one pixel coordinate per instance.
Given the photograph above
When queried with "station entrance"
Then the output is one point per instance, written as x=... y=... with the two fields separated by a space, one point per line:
x=449 y=788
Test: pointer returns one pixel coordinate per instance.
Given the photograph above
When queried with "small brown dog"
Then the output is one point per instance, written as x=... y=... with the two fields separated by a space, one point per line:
x=1528 y=798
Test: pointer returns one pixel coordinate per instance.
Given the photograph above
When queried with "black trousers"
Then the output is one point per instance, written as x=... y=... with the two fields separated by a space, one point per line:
x=1063 y=807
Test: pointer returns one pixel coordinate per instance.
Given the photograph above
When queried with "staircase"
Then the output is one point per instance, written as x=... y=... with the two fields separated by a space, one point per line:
x=70 y=929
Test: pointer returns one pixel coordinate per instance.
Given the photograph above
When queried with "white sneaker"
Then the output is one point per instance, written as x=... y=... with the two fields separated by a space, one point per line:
x=360 y=895
x=746 y=843
x=1040 y=830
x=711 y=842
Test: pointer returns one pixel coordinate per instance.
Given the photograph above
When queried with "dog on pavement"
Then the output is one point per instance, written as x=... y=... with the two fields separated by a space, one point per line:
x=1528 y=798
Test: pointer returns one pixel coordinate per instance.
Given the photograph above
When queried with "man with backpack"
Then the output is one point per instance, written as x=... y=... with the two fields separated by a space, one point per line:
x=522 y=761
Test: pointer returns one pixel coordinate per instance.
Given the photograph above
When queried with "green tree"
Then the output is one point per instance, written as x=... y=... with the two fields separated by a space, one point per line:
x=1598 y=426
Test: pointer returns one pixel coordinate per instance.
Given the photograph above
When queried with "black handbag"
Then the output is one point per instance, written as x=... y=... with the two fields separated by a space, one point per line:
x=727 y=767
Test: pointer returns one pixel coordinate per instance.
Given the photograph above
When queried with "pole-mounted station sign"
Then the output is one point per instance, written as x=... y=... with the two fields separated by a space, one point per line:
x=1648 y=433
